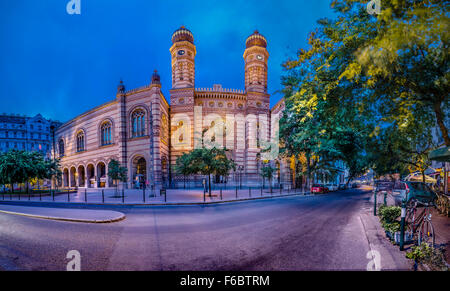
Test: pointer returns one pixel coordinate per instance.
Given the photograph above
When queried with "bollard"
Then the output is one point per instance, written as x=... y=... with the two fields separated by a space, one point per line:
x=402 y=226
x=40 y=196
x=221 y=194
x=236 y=193
x=68 y=195
x=204 y=195
x=165 y=196
x=374 y=203
x=280 y=189
x=123 y=196
x=249 y=192
x=261 y=191
x=103 y=196
x=85 y=195
x=53 y=195
x=143 y=194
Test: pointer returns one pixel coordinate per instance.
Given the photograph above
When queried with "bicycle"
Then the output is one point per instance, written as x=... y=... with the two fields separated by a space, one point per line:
x=418 y=222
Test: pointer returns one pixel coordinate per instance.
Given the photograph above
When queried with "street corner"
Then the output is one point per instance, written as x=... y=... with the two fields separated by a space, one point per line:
x=64 y=214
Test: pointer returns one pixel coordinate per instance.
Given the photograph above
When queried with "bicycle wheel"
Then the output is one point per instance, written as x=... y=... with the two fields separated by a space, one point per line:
x=410 y=227
x=426 y=233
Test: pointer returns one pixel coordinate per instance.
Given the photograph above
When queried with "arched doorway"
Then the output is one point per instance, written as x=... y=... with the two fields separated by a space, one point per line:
x=101 y=174
x=73 y=177
x=90 y=173
x=139 y=172
x=81 y=176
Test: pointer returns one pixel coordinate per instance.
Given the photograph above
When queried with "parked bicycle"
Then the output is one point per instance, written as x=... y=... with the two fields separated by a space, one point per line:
x=418 y=222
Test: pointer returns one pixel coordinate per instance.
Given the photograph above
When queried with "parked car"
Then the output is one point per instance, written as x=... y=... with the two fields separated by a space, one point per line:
x=408 y=190
x=319 y=188
x=331 y=187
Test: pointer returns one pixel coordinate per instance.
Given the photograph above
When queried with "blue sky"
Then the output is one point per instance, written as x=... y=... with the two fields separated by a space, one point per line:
x=62 y=65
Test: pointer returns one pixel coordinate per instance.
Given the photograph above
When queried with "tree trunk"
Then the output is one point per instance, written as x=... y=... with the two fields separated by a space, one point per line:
x=440 y=121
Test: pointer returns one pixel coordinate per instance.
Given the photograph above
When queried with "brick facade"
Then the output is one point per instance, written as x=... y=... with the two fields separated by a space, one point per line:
x=173 y=129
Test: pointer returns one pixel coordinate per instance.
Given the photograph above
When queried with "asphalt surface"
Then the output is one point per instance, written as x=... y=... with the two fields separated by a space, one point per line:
x=323 y=232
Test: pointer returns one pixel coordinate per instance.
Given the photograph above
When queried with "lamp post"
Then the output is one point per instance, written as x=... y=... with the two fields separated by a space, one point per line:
x=241 y=169
x=52 y=128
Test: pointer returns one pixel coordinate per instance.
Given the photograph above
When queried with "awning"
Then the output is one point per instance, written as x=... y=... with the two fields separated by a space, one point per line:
x=441 y=155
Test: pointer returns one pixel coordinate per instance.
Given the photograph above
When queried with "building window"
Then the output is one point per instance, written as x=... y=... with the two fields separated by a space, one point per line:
x=138 y=122
x=61 y=147
x=80 y=141
x=106 y=133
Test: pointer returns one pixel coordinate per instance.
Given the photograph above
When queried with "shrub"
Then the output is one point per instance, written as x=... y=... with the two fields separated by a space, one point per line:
x=432 y=257
x=388 y=218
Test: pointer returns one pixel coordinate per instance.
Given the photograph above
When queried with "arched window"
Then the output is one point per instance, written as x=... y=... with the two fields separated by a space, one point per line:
x=138 y=123
x=61 y=147
x=80 y=141
x=106 y=138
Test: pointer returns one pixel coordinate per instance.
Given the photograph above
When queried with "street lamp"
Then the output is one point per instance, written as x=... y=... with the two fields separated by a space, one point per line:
x=52 y=128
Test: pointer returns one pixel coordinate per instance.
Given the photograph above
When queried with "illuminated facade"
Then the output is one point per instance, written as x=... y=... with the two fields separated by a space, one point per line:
x=125 y=128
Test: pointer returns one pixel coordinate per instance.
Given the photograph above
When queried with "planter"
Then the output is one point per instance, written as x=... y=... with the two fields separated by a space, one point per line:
x=395 y=237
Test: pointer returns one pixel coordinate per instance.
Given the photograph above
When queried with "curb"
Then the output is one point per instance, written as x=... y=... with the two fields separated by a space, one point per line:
x=122 y=217
x=158 y=204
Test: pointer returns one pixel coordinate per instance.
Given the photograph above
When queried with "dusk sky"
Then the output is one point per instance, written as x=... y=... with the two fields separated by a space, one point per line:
x=62 y=65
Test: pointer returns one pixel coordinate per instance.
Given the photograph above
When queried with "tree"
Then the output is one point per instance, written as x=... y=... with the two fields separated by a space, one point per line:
x=267 y=172
x=117 y=173
x=408 y=56
x=206 y=162
x=17 y=167
x=363 y=74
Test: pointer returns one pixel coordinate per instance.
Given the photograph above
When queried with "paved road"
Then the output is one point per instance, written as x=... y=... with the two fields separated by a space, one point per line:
x=296 y=233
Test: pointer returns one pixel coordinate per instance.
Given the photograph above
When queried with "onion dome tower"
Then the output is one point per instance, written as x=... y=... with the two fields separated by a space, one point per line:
x=183 y=53
x=255 y=57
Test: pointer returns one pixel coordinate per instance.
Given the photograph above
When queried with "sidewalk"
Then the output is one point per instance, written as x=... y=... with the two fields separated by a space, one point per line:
x=146 y=197
x=391 y=258
x=64 y=214
x=441 y=224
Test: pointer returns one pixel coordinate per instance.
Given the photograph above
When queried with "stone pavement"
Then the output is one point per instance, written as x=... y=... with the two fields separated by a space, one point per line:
x=146 y=197
x=64 y=214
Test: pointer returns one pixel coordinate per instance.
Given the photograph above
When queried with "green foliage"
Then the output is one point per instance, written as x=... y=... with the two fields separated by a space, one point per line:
x=428 y=255
x=18 y=167
x=268 y=172
x=117 y=172
x=389 y=214
x=205 y=161
x=369 y=88
x=388 y=217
